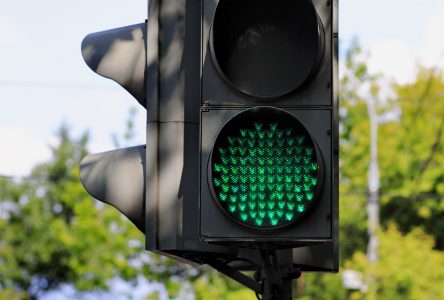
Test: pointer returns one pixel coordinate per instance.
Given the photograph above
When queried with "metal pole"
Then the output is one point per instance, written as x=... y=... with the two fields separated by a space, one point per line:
x=373 y=184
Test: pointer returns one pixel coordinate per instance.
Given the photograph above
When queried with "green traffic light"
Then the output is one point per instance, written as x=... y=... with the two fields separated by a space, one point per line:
x=265 y=172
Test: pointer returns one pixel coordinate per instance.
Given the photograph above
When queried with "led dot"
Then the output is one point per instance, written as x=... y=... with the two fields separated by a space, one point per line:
x=314 y=166
x=289 y=216
x=225 y=178
x=301 y=208
x=225 y=161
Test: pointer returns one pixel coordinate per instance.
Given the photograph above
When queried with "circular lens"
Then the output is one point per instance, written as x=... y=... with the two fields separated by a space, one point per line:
x=265 y=169
x=266 y=48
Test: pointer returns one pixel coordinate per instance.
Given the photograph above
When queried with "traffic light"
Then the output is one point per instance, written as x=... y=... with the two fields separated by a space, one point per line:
x=269 y=133
x=240 y=168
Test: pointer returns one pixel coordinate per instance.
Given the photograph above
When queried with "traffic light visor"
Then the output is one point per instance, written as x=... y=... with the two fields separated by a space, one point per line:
x=265 y=170
x=266 y=48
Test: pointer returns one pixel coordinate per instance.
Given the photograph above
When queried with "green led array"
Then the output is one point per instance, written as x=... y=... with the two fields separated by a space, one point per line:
x=265 y=175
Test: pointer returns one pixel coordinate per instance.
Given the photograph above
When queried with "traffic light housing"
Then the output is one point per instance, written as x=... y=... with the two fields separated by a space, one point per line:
x=268 y=127
x=242 y=135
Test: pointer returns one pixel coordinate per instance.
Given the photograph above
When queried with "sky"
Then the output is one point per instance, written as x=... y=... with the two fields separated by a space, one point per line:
x=45 y=83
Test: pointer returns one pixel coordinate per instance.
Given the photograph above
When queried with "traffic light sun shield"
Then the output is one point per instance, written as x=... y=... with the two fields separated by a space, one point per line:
x=265 y=170
x=268 y=49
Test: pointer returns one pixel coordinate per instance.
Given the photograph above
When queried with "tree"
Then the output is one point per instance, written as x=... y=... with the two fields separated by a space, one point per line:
x=53 y=233
x=410 y=160
x=413 y=183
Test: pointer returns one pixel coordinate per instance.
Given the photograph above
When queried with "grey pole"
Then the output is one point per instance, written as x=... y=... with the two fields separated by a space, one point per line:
x=373 y=184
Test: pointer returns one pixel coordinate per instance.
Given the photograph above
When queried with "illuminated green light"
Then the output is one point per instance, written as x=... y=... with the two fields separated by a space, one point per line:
x=265 y=172
x=289 y=216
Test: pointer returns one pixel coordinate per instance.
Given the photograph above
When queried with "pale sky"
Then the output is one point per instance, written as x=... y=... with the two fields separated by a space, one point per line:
x=44 y=81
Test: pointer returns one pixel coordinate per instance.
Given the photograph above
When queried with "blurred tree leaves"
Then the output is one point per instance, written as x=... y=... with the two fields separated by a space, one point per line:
x=52 y=232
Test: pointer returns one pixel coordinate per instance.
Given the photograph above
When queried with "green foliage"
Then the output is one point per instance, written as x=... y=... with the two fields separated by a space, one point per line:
x=213 y=285
x=354 y=153
x=413 y=179
x=407 y=268
x=54 y=233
